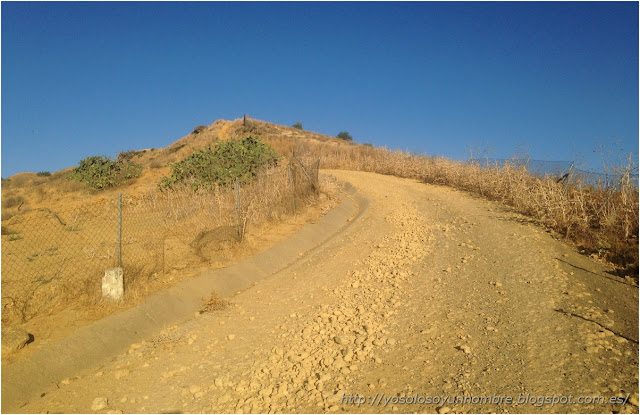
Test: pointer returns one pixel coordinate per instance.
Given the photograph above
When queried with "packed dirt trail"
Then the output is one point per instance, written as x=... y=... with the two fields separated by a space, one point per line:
x=431 y=292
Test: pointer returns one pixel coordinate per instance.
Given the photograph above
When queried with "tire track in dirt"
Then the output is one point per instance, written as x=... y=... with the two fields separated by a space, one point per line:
x=431 y=292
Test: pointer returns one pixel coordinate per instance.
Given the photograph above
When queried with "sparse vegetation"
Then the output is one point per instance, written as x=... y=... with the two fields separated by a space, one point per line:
x=601 y=221
x=213 y=303
x=173 y=149
x=198 y=129
x=223 y=164
x=344 y=135
x=12 y=201
x=44 y=173
x=127 y=156
x=297 y=125
x=156 y=164
x=7 y=231
x=100 y=172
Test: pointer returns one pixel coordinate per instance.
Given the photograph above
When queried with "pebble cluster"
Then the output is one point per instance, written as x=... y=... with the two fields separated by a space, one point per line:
x=325 y=350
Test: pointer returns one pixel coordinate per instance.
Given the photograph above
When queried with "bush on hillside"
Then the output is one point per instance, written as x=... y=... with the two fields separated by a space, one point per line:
x=345 y=136
x=198 y=129
x=43 y=173
x=297 y=125
x=100 y=172
x=222 y=165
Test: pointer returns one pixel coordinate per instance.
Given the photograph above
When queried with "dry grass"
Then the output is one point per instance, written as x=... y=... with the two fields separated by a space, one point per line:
x=213 y=303
x=601 y=221
x=55 y=259
x=56 y=247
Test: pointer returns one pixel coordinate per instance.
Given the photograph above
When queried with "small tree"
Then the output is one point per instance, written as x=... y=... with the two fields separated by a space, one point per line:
x=345 y=136
x=297 y=125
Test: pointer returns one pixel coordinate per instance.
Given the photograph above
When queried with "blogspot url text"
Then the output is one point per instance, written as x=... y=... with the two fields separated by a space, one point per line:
x=380 y=399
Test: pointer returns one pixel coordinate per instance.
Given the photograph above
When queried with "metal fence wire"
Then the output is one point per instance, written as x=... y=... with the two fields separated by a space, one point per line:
x=53 y=258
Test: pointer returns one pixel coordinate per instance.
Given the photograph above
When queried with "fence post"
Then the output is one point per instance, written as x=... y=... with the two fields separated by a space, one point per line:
x=120 y=230
x=238 y=209
x=317 y=172
x=293 y=199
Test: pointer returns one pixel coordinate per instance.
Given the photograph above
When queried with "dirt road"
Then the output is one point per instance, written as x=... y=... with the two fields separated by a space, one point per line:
x=430 y=294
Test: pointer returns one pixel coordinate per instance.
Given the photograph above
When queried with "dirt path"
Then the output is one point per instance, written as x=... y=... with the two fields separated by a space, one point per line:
x=430 y=293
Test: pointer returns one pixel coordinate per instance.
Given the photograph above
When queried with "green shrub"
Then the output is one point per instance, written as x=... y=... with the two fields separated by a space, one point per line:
x=297 y=125
x=100 y=172
x=222 y=165
x=345 y=136
x=44 y=173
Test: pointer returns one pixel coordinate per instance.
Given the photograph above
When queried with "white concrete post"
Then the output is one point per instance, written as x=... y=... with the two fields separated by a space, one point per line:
x=113 y=284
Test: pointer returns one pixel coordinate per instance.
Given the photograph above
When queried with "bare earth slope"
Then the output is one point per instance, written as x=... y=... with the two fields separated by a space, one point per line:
x=430 y=293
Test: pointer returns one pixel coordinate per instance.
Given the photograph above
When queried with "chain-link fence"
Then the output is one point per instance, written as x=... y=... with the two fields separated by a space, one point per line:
x=562 y=170
x=53 y=258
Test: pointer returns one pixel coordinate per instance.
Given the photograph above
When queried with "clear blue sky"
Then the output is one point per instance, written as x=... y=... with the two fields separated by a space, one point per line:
x=81 y=79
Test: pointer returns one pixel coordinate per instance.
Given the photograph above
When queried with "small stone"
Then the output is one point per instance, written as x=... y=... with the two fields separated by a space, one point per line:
x=194 y=388
x=341 y=340
x=443 y=410
x=65 y=381
x=121 y=373
x=448 y=269
x=391 y=342
x=13 y=338
x=231 y=337
x=633 y=399
x=466 y=349
x=99 y=404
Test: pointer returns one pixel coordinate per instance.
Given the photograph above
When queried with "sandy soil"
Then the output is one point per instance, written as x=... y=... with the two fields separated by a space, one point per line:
x=431 y=293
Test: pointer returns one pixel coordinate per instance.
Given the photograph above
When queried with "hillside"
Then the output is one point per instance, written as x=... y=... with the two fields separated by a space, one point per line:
x=59 y=235
x=430 y=300
x=24 y=191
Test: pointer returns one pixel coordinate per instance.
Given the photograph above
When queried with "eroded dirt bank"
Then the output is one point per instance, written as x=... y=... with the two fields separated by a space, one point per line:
x=431 y=293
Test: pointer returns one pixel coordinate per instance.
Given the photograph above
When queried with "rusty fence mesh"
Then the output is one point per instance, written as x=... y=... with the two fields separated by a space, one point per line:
x=52 y=259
